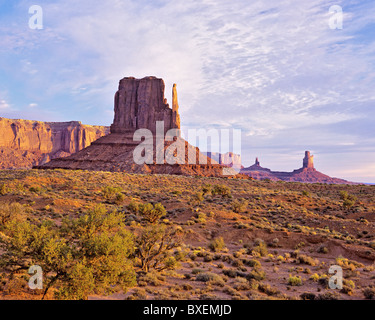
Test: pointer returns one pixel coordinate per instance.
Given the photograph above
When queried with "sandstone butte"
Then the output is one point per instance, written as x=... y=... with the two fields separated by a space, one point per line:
x=139 y=104
x=26 y=143
x=307 y=173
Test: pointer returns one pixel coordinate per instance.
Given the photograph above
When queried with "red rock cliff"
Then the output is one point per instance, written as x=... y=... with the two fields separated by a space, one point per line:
x=24 y=143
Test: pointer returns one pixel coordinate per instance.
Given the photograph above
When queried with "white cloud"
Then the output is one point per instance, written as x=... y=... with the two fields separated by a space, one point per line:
x=4 y=105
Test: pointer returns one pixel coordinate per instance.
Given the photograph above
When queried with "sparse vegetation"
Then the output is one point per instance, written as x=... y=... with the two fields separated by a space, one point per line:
x=175 y=237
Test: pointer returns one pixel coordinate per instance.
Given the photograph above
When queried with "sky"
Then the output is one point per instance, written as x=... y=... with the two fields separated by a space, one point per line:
x=283 y=72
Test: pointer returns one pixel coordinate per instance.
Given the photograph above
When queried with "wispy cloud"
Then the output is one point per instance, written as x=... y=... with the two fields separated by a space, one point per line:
x=4 y=105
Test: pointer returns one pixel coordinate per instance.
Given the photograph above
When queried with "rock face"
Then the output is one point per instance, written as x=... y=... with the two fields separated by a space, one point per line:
x=24 y=143
x=308 y=161
x=305 y=174
x=176 y=122
x=140 y=104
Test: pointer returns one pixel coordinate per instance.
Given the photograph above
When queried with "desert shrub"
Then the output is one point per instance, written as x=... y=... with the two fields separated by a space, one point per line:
x=294 y=280
x=119 y=198
x=207 y=276
x=231 y=273
x=308 y=296
x=241 y=284
x=217 y=244
x=132 y=206
x=152 y=213
x=4 y=189
x=329 y=296
x=315 y=277
x=138 y=294
x=83 y=255
x=323 y=249
x=348 y=287
x=113 y=194
x=268 y=290
x=348 y=200
x=35 y=189
x=274 y=243
x=304 y=259
x=207 y=189
x=14 y=211
x=369 y=293
x=196 y=271
x=348 y=264
x=256 y=274
x=207 y=296
x=208 y=258
x=154 y=247
x=222 y=190
x=217 y=281
x=239 y=205
x=197 y=198
x=201 y=218
x=152 y=278
x=259 y=247
x=252 y=263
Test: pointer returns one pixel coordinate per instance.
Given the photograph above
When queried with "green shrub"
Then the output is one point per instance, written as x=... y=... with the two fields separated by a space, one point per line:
x=240 y=205
x=152 y=213
x=369 y=293
x=223 y=190
x=217 y=244
x=83 y=255
x=257 y=274
x=208 y=276
x=260 y=247
x=4 y=189
x=11 y=212
x=294 y=280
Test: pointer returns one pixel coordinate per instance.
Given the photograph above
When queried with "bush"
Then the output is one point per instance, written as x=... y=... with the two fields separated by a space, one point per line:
x=217 y=244
x=239 y=206
x=4 y=189
x=329 y=296
x=152 y=213
x=304 y=259
x=268 y=290
x=260 y=247
x=294 y=280
x=83 y=255
x=256 y=274
x=154 y=247
x=132 y=206
x=221 y=189
x=11 y=212
x=308 y=296
x=315 y=277
x=369 y=293
x=348 y=200
x=207 y=276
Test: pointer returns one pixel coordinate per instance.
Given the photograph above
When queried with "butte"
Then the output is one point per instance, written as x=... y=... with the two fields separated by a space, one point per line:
x=140 y=104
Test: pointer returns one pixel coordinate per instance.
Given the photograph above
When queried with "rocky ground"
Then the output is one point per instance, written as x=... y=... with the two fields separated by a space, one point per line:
x=252 y=240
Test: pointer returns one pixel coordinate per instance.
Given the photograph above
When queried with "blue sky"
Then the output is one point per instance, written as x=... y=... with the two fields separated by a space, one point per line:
x=273 y=69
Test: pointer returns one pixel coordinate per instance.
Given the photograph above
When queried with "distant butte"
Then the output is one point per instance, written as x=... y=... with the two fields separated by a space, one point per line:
x=307 y=173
